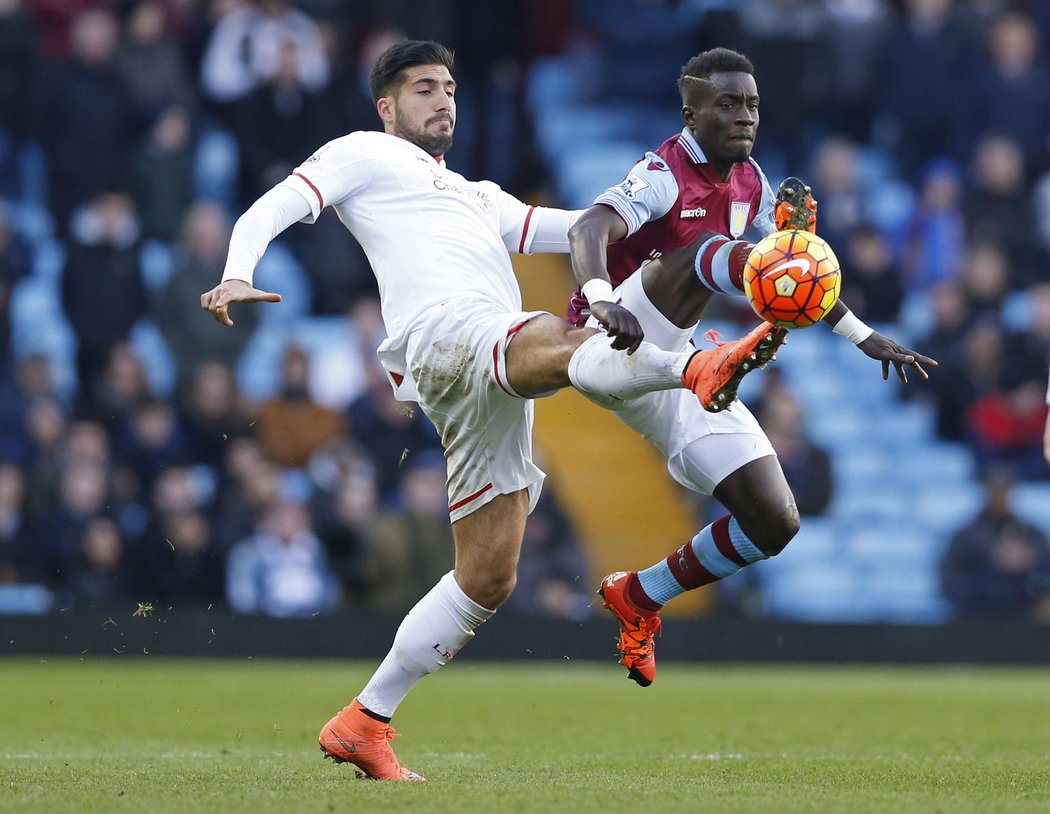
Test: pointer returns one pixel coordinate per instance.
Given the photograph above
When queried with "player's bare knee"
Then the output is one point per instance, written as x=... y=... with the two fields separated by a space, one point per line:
x=773 y=530
x=495 y=590
x=784 y=525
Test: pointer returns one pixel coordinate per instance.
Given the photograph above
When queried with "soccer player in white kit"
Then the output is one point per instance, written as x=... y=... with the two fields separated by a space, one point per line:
x=460 y=345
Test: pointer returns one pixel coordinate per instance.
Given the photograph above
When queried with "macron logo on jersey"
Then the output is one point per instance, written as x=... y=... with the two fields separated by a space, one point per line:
x=698 y=212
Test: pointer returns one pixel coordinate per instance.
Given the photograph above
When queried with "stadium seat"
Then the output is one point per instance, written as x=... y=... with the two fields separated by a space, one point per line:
x=1031 y=501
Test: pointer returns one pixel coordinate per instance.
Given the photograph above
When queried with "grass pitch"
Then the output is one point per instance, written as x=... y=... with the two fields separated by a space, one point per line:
x=162 y=735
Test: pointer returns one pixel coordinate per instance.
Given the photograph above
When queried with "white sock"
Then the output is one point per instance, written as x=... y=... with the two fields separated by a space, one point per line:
x=600 y=372
x=438 y=627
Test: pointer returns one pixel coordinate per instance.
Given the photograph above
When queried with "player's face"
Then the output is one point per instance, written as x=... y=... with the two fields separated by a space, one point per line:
x=424 y=109
x=723 y=118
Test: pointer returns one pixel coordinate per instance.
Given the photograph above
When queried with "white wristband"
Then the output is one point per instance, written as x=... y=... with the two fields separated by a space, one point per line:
x=851 y=327
x=597 y=290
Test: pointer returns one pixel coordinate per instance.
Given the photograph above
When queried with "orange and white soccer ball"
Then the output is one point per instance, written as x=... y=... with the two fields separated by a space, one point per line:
x=792 y=278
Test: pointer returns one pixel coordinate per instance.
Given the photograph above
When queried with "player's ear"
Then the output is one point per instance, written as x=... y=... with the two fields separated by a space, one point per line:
x=385 y=109
x=688 y=115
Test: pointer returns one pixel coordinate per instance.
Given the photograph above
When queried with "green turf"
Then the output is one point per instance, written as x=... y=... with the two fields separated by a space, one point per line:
x=155 y=735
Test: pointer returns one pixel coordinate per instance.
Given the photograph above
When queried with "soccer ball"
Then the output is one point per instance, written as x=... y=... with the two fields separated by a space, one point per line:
x=792 y=278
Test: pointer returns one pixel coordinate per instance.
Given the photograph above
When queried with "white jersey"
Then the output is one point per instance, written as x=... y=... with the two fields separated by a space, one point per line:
x=430 y=234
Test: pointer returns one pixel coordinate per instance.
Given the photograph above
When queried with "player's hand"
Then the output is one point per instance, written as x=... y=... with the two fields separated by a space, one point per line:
x=217 y=302
x=889 y=353
x=620 y=324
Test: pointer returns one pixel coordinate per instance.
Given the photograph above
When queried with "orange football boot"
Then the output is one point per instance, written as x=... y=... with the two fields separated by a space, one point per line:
x=715 y=373
x=355 y=737
x=637 y=628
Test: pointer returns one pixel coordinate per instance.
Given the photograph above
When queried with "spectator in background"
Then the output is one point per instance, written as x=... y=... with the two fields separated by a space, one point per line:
x=997 y=564
x=985 y=279
x=857 y=39
x=1009 y=94
x=345 y=508
x=936 y=230
x=245 y=45
x=291 y=426
x=151 y=65
x=806 y=465
x=967 y=375
x=99 y=573
x=277 y=125
x=103 y=293
x=160 y=173
x=203 y=240
x=85 y=121
x=412 y=547
x=19 y=69
x=1006 y=426
x=872 y=286
x=122 y=388
x=19 y=553
x=553 y=576
x=46 y=425
x=150 y=441
x=926 y=53
x=212 y=414
x=83 y=490
x=392 y=431
x=282 y=569
x=844 y=202
x=998 y=206
x=176 y=559
x=14 y=266
x=250 y=484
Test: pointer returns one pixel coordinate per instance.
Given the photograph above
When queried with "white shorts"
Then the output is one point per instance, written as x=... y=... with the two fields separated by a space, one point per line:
x=458 y=362
x=701 y=448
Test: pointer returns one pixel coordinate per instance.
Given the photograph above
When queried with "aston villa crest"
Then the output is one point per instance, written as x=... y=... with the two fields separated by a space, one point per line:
x=738 y=218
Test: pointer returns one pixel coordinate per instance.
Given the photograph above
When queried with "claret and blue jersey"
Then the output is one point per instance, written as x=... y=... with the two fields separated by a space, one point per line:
x=673 y=195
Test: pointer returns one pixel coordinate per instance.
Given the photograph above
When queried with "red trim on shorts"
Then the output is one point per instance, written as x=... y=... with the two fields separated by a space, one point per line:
x=720 y=531
x=309 y=183
x=687 y=570
x=397 y=377
x=495 y=361
x=467 y=500
x=525 y=230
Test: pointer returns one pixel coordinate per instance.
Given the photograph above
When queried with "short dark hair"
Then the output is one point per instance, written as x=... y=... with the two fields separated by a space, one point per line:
x=386 y=73
x=698 y=70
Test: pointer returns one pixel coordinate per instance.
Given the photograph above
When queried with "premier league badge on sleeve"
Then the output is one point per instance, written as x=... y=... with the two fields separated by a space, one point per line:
x=738 y=218
x=632 y=185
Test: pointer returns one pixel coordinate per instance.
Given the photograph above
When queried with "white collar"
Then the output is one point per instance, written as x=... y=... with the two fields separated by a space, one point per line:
x=692 y=147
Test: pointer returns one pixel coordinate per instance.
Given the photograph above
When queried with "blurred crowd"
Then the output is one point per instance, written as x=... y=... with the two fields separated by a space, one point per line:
x=133 y=132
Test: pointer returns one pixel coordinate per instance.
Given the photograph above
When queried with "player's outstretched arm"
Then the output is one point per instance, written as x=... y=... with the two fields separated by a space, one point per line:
x=270 y=215
x=878 y=346
x=589 y=240
x=217 y=302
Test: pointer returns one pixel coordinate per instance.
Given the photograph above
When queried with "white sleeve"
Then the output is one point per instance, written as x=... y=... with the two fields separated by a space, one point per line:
x=274 y=212
x=549 y=233
x=529 y=229
x=647 y=193
x=1048 y=393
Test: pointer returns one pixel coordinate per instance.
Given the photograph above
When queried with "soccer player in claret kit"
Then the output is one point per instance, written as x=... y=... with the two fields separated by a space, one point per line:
x=698 y=203
x=459 y=345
